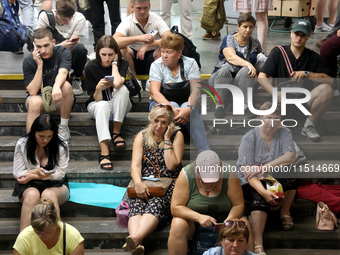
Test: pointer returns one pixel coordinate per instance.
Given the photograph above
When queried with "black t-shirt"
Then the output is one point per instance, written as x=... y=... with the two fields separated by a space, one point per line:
x=61 y=59
x=308 y=61
x=94 y=72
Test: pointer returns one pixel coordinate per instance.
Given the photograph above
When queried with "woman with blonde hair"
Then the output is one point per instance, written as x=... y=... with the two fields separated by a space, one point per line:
x=47 y=234
x=157 y=150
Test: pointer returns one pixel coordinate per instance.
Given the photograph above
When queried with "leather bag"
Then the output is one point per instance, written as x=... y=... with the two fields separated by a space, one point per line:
x=156 y=188
x=325 y=218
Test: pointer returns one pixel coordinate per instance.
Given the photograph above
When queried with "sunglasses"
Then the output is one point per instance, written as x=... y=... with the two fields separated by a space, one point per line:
x=166 y=106
x=229 y=224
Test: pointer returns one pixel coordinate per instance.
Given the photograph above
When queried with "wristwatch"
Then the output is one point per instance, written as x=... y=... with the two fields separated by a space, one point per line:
x=114 y=63
x=306 y=74
x=192 y=107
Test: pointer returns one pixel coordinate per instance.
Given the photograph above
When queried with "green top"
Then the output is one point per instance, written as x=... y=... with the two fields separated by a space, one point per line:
x=215 y=206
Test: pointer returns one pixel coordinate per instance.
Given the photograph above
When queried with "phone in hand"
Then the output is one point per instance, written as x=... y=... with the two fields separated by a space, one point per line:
x=49 y=169
x=74 y=39
x=109 y=78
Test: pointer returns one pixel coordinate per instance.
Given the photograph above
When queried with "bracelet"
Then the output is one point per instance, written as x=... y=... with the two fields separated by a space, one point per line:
x=114 y=63
x=168 y=143
x=170 y=148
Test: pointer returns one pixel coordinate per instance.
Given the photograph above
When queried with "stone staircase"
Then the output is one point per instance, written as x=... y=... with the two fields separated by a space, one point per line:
x=98 y=225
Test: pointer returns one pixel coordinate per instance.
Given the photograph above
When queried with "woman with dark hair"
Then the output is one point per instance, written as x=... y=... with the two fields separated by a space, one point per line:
x=46 y=233
x=263 y=149
x=40 y=162
x=240 y=59
x=108 y=96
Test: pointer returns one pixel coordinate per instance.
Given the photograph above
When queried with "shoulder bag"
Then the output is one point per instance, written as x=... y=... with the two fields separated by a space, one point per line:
x=178 y=92
x=133 y=87
x=325 y=218
x=13 y=34
x=156 y=188
x=48 y=103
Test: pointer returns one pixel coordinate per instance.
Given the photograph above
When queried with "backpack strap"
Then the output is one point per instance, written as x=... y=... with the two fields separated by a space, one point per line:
x=50 y=16
x=286 y=59
x=64 y=238
x=181 y=67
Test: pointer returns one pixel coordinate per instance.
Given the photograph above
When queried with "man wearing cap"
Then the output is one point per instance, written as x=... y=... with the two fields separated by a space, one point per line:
x=306 y=65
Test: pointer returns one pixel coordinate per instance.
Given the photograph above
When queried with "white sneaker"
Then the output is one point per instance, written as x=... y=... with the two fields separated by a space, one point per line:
x=64 y=132
x=76 y=86
x=91 y=56
x=37 y=3
x=322 y=29
x=310 y=133
x=147 y=85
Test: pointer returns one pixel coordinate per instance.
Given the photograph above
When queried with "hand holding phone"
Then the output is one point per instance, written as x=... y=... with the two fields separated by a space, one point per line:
x=74 y=39
x=50 y=171
x=109 y=78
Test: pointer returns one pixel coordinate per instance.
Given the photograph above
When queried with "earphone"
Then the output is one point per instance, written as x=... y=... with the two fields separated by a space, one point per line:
x=291 y=36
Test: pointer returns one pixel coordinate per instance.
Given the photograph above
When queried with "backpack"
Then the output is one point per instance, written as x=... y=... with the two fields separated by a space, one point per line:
x=51 y=20
x=203 y=240
x=213 y=16
x=189 y=48
x=13 y=34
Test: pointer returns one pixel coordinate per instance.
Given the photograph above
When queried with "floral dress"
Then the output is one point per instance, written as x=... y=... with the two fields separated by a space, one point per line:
x=157 y=206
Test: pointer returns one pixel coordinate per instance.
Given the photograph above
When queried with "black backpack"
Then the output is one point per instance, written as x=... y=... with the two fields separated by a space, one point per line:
x=189 y=48
x=51 y=20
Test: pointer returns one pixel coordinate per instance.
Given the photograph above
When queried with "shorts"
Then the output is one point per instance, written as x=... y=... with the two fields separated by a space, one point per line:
x=56 y=105
x=40 y=185
x=143 y=66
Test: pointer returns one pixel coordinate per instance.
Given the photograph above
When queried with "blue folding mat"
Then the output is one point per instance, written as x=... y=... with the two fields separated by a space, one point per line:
x=96 y=194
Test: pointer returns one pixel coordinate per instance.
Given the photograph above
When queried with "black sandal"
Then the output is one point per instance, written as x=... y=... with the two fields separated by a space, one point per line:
x=114 y=137
x=103 y=165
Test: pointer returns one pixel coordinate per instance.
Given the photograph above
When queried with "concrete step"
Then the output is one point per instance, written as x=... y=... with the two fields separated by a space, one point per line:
x=104 y=233
x=83 y=148
x=14 y=123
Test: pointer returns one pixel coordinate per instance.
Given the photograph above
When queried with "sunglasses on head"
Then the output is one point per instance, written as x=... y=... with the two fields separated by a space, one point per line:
x=166 y=106
x=230 y=223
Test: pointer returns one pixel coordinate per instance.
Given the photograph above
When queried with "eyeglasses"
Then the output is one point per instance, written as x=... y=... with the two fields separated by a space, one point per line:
x=166 y=106
x=229 y=224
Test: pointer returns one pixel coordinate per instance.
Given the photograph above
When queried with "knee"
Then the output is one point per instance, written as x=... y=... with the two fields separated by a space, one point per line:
x=79 y=49
x=179 y=229
x=103 y=107
x=223 y=73
x=49 y=193
x=35 y=104
x=67 y=89
x=31 y=197
x=122 y=92
x=326 y=92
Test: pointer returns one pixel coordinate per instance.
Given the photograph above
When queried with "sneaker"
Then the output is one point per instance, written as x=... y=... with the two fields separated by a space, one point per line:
x=76 y=85
x=300 y=158
x=219 y=112
x=212 y=36
x=29 y=41
x=319 y=43
x=147 y=85
x=336 y=90
x=37 y=3
x=310 y=133
x=91 y=56
x=64 y=132
x=20 y=51
x=322 y=29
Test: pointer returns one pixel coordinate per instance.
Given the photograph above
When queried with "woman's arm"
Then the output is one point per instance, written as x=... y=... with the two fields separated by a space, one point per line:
x=266 y=194
x=118 y=80
x=136 y=167
x=79 y=250
x=155 y=93
x=235 y=195
x=232 y=58
x=180 y=198
x=173 y=157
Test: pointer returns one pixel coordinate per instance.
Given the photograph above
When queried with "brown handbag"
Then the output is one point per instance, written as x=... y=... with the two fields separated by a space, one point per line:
x=156 y=188
x=325 y=218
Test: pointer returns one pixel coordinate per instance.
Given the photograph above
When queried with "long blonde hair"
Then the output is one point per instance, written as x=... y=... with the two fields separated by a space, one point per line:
x=44 y=214
x=156 y=112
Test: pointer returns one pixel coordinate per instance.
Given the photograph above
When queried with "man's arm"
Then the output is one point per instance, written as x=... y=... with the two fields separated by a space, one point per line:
x=124 y=41
x=34 y=86
x=59 y=82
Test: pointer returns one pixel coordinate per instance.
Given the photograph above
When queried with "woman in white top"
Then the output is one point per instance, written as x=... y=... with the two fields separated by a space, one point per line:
x=40 y=161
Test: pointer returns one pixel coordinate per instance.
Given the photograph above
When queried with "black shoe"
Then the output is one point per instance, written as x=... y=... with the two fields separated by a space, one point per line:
x=249 y=114
x=19 y=52
x=219 y=112
x=29 y=42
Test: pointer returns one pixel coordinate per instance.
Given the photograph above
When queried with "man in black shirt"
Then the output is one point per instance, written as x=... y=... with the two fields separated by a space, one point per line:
x=48 y=66
x=306 y=65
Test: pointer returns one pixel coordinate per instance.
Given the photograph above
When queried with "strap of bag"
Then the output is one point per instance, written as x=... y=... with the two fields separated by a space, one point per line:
x=157 y=169
x=286 y=59
x=140 y=28
x=50 y=17
x=181 y=67
x=64 y=238
x=131 y=76
x=250 y=46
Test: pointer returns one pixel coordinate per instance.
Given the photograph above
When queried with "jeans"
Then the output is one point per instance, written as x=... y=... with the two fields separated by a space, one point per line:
x=97 y=17
x=197 y=130
x=27 y=13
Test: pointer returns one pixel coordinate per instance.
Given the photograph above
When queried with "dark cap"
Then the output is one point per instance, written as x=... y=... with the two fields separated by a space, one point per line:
x=302 y=25
x=207 y=164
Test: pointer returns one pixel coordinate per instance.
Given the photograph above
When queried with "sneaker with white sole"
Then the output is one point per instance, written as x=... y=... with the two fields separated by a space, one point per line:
x=322 y=29
x=91 y=56
x=300 y=158
x=76 y=86
x=147 y=85
x=64 y=132
x=310 y=133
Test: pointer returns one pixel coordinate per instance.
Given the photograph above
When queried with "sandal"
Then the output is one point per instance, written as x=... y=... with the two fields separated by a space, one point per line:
x=105 y=166
x=139 y=250
x=114 y=137
x=130 y=244
x=259 y=250
x=287 y=222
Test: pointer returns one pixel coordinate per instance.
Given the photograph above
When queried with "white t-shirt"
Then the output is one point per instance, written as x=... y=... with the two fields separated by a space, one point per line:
x=76 y=25
x=128 y=28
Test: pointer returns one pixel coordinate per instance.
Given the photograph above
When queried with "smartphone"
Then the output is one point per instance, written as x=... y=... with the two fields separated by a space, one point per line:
x=74 y=39
x=109 y=78
x=153 y=33
x=49 y=169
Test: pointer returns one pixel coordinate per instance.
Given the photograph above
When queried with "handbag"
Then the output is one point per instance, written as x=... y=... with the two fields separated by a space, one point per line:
x=48 y=103
x=156 y=188
x=122 y=213
x=325 y=218
x=133 y=87
x=13 y=34
x=178 y=92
